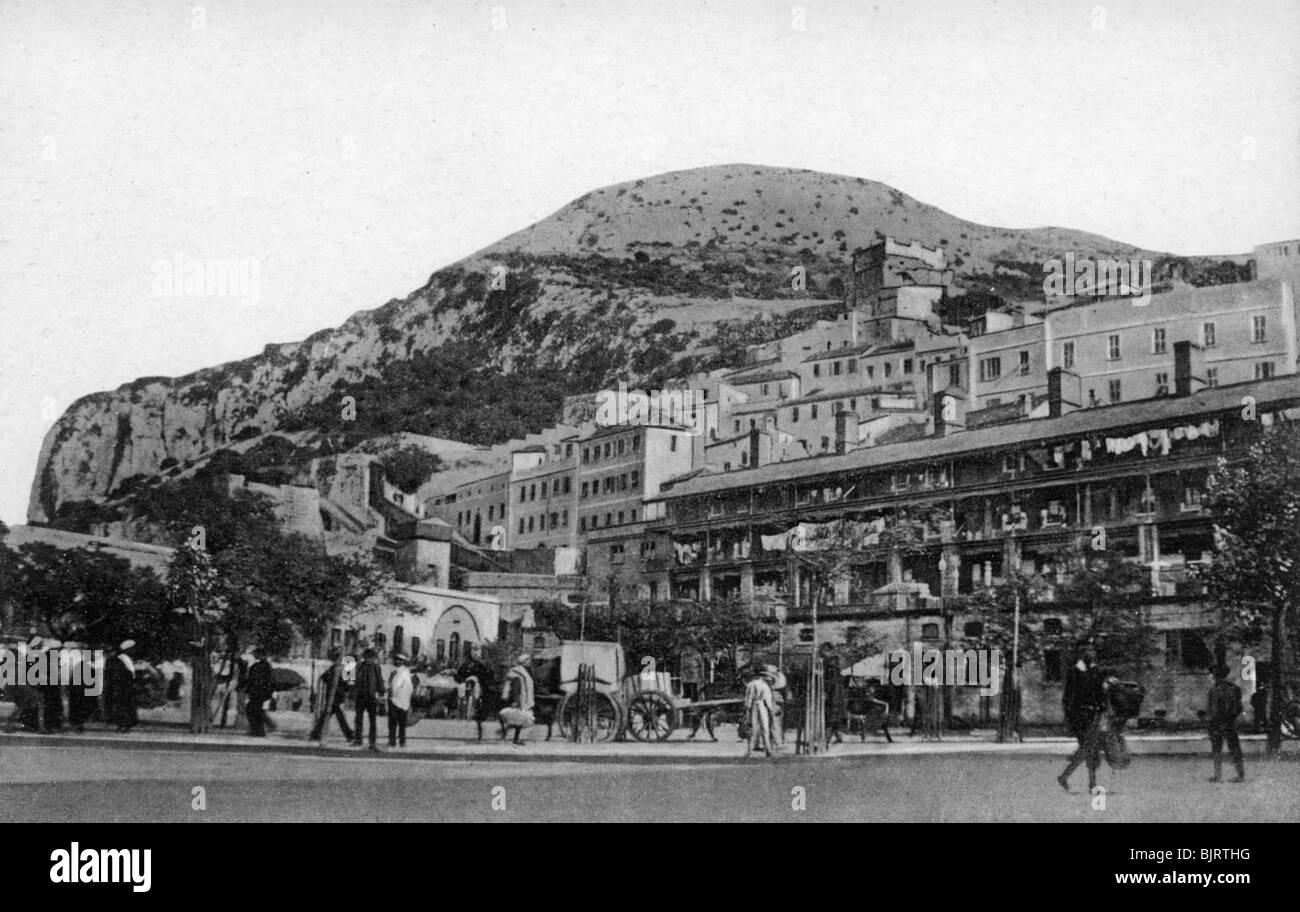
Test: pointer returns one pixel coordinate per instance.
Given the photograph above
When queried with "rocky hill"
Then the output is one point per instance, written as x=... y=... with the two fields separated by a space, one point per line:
x=636 y=281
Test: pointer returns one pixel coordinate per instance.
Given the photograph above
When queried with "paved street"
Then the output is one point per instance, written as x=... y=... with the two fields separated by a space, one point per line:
x=94 y=783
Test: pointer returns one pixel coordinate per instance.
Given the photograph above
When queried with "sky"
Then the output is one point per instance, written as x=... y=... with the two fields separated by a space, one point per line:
x=347 y=150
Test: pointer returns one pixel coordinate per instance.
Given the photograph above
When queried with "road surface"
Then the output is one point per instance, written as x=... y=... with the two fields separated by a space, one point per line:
x=71 y=783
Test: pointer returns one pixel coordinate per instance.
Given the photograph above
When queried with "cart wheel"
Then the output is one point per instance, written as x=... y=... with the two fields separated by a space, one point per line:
x=608 y=719
x=650 y=717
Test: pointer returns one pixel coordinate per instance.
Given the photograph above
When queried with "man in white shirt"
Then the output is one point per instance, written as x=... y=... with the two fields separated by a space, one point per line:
x=400 y=689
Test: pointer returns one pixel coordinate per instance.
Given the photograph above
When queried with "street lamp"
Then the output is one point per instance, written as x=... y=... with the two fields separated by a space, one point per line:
x=782 y=611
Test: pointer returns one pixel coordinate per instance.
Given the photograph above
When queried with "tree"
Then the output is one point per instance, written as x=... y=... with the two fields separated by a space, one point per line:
x=410 y=466
x=1002 y=613
x=89 y=596
x=1255 y=572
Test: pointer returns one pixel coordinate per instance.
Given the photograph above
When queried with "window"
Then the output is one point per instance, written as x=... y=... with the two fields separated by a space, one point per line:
x=826 y=443
x=1263 y=370
x=930 y=631
x=764 y=389
x=621 y=444
x=532 y=492
x=523 y=493
x=1186 y=650
x=1112 y=348
x=1024 y=362
x=737 y=429
x=555 y=520
x=1052 y=670
x=453 y=648
x=907 y=365
x=636 y=444
x=622 y=482
x=586 y=455
x=672 y=443
x=794 y=415
x=1257 y=329
x=583 y=492
x=1162 y=384
x=837 y=368
x=440 y=650
x=1092 y=399
x=530 y=523
x=817 y=370
x=582 y=524
x=521 y=525
x=1157 y=341
x=954 y=375
x=1115 y=391
x=805 y=634
x=871 y=371
x=1211 y=376
x=543 y=489
x=1193 y=497
x=889 y=368
x=990 y=368
x=564 y=518
x=568 y=485
x=853 y=365
x=399 y=636
x=568 y=450
x=812 y=412
x=620 y=517
x=1207 y=335
x=636 y=478
x=973 y=629
x=1052 y=626
x=415 y=648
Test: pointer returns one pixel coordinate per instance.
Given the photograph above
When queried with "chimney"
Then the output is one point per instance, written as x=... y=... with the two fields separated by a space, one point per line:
x=1182 y=368
x=936 y=408
x=1054 y=393
x=753 y=447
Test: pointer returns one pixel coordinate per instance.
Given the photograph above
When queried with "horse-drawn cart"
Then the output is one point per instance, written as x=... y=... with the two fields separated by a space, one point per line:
x=594 y=697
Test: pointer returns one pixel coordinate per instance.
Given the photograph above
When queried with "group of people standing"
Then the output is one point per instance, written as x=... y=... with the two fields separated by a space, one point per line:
x=369 y=691
x=41 y=707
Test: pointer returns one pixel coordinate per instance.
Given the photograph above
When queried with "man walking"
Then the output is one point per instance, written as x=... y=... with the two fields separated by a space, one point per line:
x=400 y=690
x=370 y=690
x=333 y=692
x=1084 y=702
x=1223 y=709
x=258 y=688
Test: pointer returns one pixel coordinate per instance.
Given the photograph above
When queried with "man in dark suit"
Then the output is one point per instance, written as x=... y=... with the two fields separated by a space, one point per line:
x=1084 y=702
x=333 y=693
x=1223 y=709
x=258 y=688
x=370 y=690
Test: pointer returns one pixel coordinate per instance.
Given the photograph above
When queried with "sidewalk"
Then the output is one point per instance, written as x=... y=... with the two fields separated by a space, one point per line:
x=454 y=740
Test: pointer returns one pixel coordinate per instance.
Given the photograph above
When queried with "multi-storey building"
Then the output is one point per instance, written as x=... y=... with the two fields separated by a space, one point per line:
x=1012 y=495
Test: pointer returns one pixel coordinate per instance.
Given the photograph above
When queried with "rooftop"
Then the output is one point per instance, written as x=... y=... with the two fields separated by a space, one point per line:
x=999 y=438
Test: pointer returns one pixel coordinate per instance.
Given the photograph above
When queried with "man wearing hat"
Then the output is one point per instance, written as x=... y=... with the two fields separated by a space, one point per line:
x=258 y=688
x=334 y=692
x=370 y=689
x=760 y=706
x=1222 y=711
x=1084 y=701
x=119 y=681
x=400 y=689
x=28 y=700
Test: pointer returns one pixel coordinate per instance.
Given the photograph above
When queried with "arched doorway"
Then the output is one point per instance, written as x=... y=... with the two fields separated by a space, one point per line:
x=458 y=630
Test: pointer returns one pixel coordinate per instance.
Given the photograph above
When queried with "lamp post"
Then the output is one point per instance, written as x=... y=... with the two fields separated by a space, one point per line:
x=782 y=611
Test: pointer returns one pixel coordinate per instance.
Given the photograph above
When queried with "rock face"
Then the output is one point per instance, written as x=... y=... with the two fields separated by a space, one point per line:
x=628 y=272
